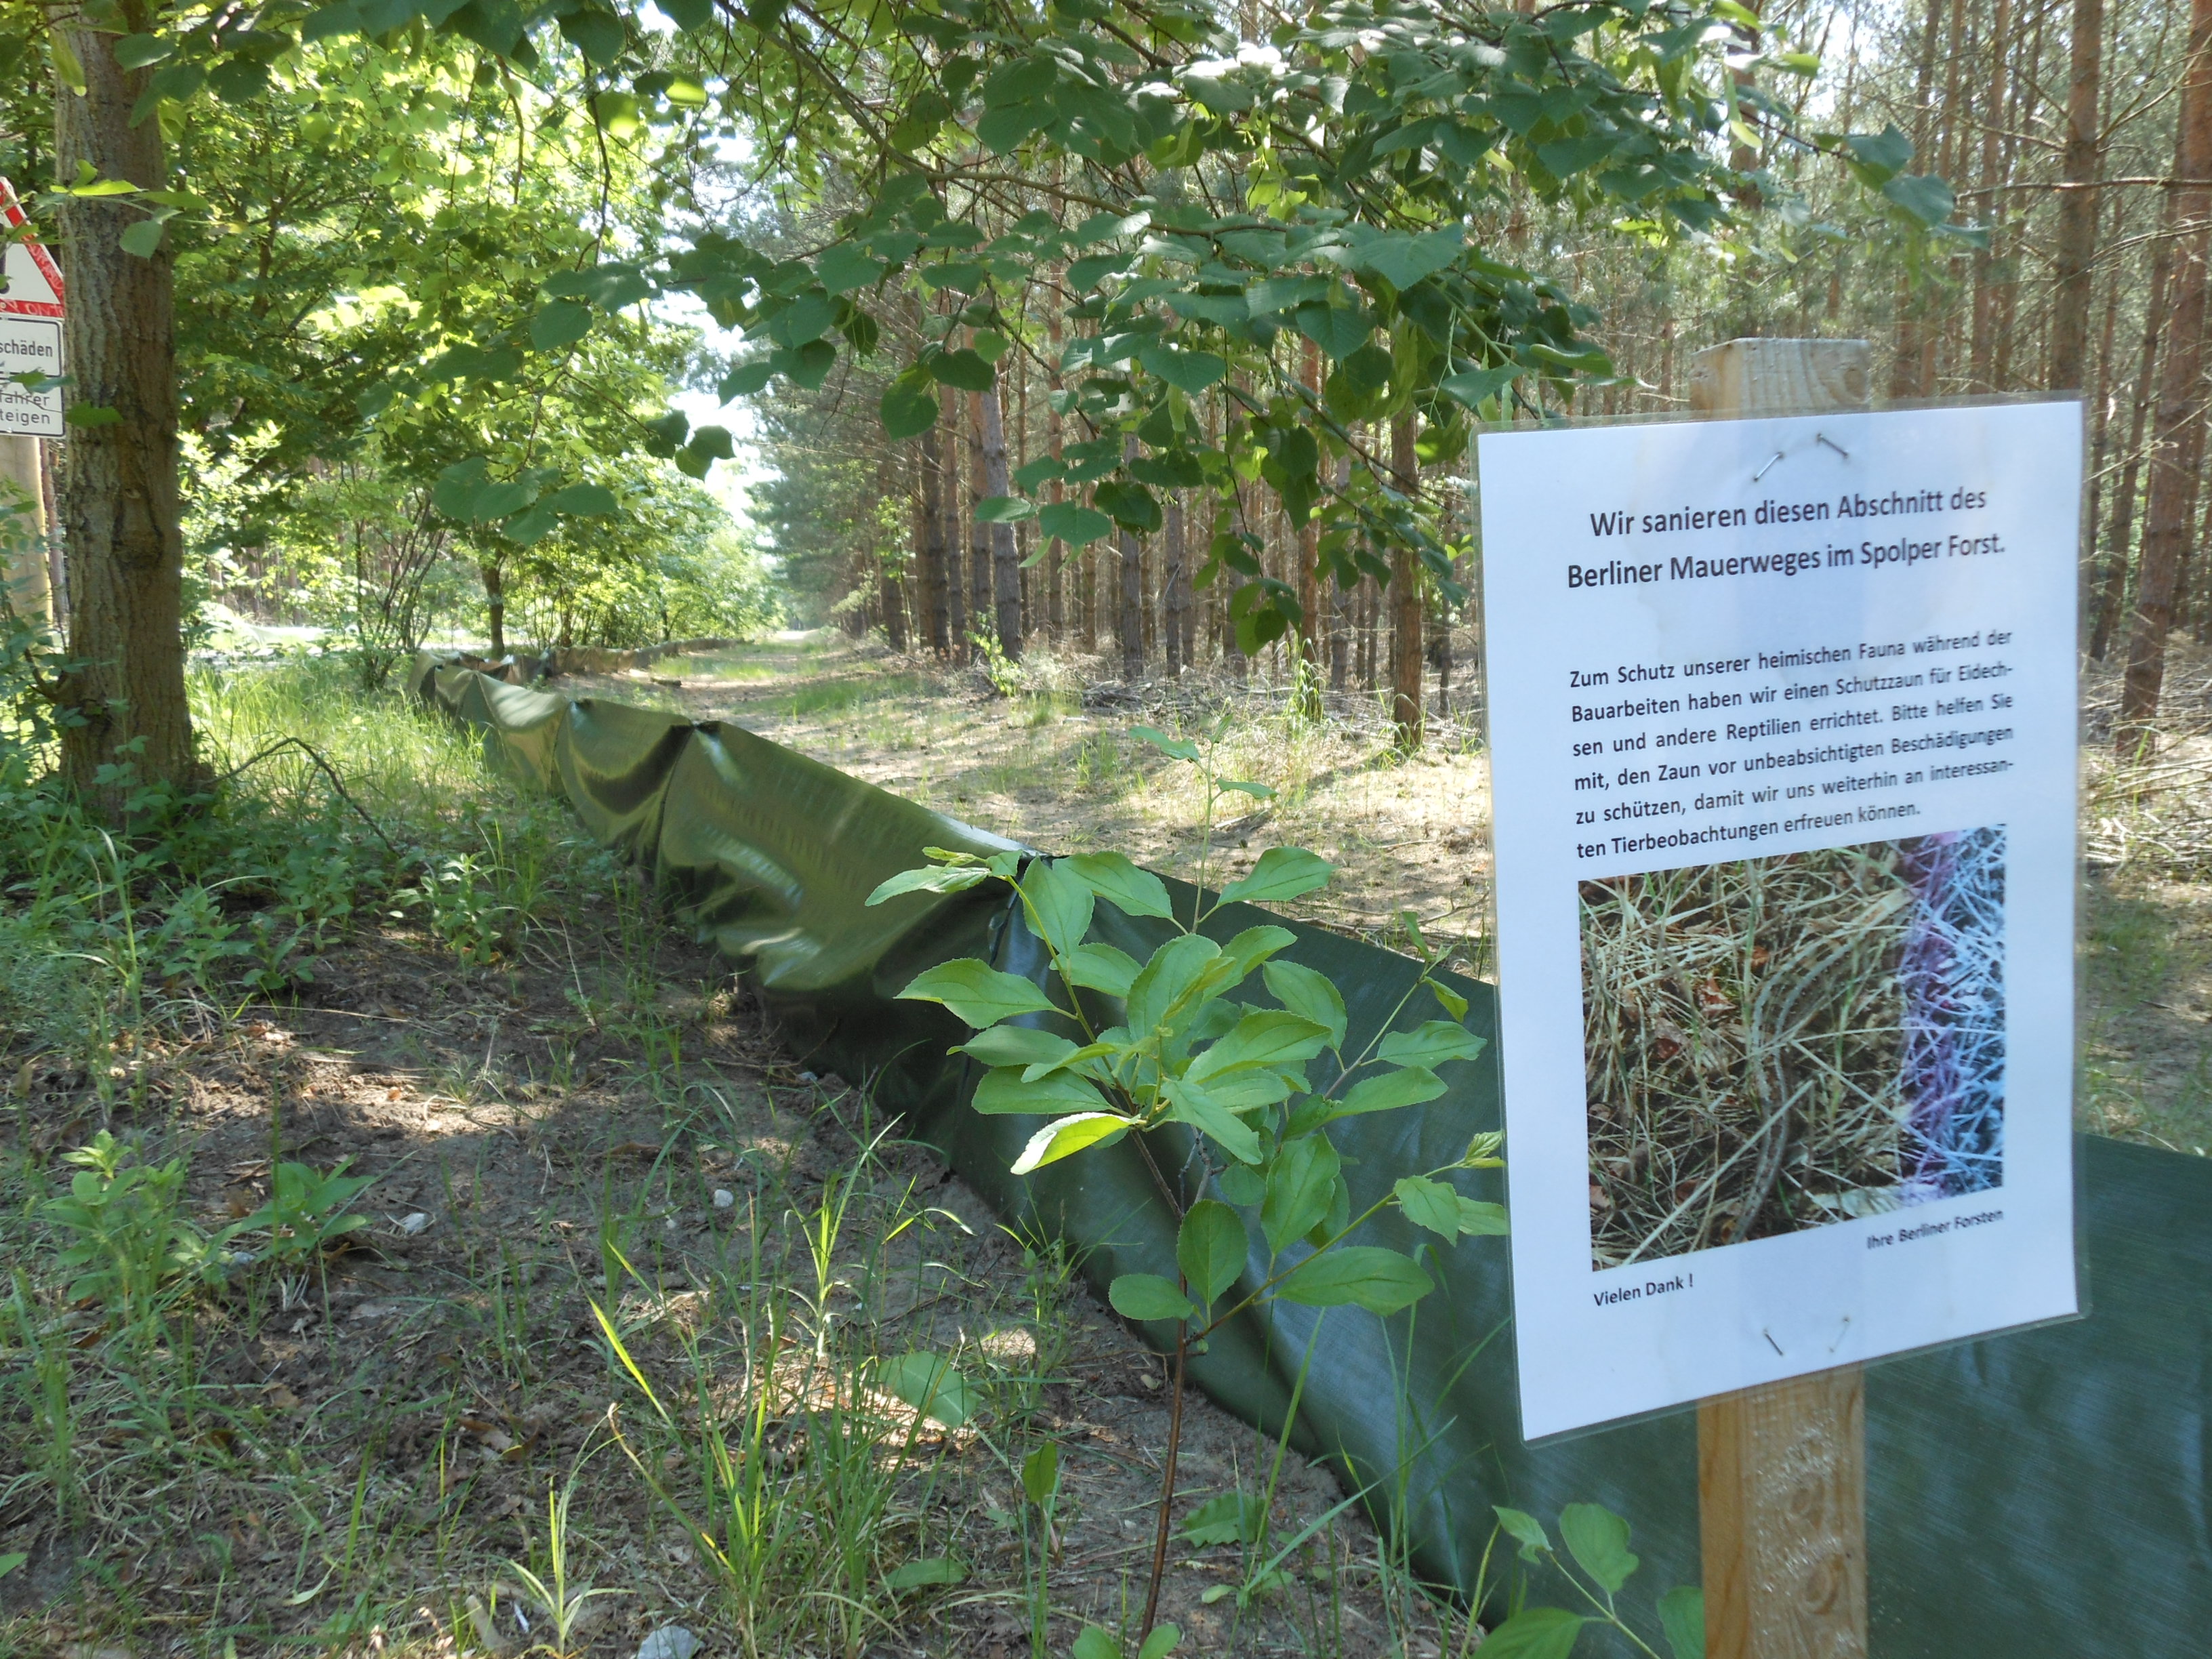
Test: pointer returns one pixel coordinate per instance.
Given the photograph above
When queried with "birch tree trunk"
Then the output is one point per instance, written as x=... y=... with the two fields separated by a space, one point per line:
x=118 y=501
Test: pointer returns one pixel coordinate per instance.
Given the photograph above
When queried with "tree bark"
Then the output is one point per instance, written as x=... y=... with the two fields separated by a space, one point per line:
x=2178 y=429
x=495 y=587
x=1175 y=597
x=119 y=511
x=2071 y=266
x=955 y=580
x=1905 y=372
x=1406 y=709
x=1055 y=555
x=929 y=542
x=1006 y=561
x=2120 y=541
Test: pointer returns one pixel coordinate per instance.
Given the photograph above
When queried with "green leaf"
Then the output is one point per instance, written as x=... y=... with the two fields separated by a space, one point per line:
x=1254 y=945
x=1016 y=1045
x=1072 y=523
x=1429 y=1204
x=1391 y=1090
x=1113 y=877
x=1174 y=968
x=1069 y=1136
x=140 y=50
x=1146 y=1297
x=1402 y=260
x=1534 y=1543
x=1095 y=1643
x=689 y=14
x=1181 y=748
x=1884 y=155
x=1478 y=1218
x=1283 y=872
x=89 y=414
x=1431 y=1044
x=1301 y=1176
x=584 y=501
x=142 y=239
x=1002 y=1092
x=1308 y=994
x=1100 y=968
x=1211 y=1248
x=845 y=267
x=1682 y=1617
x=1130 y=505
x=1268 y=1039
x=805 y=365
x=907 y=410
x=1340 y=331
x=1454 y=1004
x=1475 y=387
x=598 y=35
x=1362 y=1275
x=978 y=993
x=1925 y=197
x=239 y=80
x=1535 y=1633
x=560 y=323
x=932 y=1570
x=1003 y=509
x=1041 y=1472
x=1160 y=1643
x=1233 y=1518
x=1186 y=371
x=1188 y=1104
x=932 y=878
x=965 y=370
x=933 y=1385
x=1060 y=903
x=12 y=1560
x=1598 y=1540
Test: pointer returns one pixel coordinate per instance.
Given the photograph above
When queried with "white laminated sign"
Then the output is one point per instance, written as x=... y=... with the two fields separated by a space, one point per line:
x=1783 y=732
x=30 y=333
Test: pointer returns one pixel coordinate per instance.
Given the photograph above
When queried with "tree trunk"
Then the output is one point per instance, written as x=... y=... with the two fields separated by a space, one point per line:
x=979 y=611
x=2177 y=432
x=1175 y=600
x=1006 y=561
x=1906 y=367
x=956 y=578
x=118 y=501
x=495 y=587
x=1406 y=709
x=1055 y=557
x=929 y=542
x=2072 y=267
x=1984 y=348
x=2121 y=538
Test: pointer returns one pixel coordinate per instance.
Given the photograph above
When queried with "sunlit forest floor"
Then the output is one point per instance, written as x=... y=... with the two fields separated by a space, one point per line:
x=1053 y=763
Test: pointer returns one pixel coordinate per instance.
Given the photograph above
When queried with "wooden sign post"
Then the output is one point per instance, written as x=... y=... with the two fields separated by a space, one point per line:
x=1781 y=1468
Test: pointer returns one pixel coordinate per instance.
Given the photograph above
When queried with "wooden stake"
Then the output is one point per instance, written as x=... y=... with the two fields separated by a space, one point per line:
x=1782 y=1469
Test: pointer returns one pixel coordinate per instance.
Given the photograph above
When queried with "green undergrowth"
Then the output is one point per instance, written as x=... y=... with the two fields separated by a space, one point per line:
x=676 y=1346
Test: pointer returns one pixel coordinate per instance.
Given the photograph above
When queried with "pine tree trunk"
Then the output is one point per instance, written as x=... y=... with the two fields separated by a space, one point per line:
x=1175 y=600
x=930 y=539
x=495 y=587
x=2071 y=268
x=119 y=512
x=1006 y=561
x=2120 y=542
x=1406 y=712
x=1055 y=555
x=956 y=576
x=2178 y=432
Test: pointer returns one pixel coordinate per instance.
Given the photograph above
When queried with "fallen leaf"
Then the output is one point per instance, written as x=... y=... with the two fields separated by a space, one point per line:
x=283 y=1400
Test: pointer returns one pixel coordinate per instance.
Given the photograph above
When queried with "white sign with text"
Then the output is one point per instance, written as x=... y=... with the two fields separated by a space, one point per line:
x=1782 y=727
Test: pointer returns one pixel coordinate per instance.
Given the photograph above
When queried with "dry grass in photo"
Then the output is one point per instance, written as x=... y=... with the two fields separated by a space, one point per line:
x=1773 y=1044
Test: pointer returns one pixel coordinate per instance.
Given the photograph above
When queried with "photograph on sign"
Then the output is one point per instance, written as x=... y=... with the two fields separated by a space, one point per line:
x=1782 y=727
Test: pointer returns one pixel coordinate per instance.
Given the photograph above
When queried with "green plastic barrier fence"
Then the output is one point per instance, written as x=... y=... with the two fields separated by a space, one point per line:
x=2046 y=1493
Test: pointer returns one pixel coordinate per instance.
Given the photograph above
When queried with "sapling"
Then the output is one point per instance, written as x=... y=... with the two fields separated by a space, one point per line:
x=1172 y=1039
